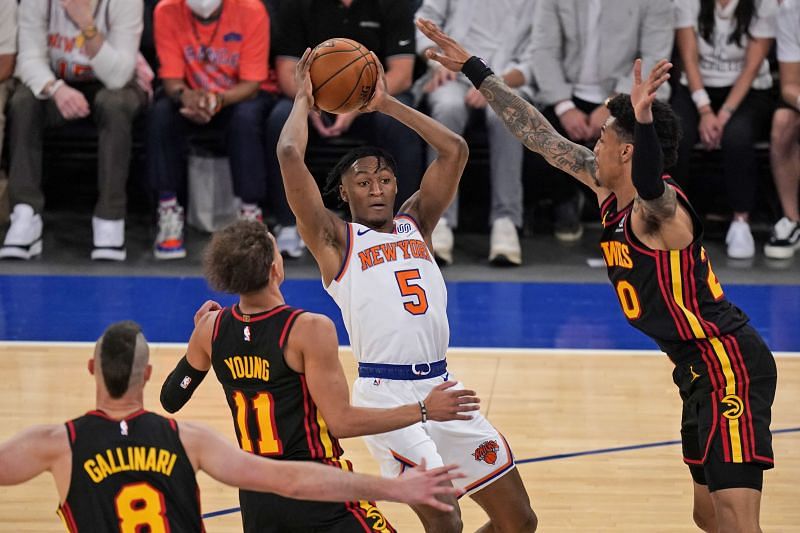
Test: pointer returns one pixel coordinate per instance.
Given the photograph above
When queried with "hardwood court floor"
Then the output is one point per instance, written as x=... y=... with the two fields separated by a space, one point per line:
x=545 y=404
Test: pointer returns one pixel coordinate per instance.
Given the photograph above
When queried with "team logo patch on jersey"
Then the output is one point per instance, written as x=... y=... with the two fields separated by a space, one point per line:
x=247 y=333
x=735 y=407
x=123 y=428
x=487 y=452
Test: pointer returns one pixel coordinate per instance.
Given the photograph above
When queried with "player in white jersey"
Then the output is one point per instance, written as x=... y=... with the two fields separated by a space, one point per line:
x=381 y=273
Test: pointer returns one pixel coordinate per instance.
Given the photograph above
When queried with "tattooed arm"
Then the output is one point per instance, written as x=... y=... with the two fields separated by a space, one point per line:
x=519 y=116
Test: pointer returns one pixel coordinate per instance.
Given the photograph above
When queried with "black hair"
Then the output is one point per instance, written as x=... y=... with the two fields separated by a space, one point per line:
x=334 y=178
x=117 y=350
x=239 y=257
x=667 y=124
x=744 y=13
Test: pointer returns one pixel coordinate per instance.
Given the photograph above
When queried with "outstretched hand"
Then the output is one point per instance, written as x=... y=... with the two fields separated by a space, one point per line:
x=379 y=94
x=643 y=93
x=418 y=486
x=452 y=55
x=446 y=403
x=302 y=77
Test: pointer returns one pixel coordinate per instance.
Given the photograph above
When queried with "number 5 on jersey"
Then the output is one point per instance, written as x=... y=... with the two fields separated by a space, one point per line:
x=408 y=281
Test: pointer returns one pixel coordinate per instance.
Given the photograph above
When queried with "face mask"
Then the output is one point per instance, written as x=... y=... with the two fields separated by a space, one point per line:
x=203 y=8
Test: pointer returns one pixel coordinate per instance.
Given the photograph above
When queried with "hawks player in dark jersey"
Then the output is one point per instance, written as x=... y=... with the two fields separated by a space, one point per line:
x=280 y=370
x=121 y=468
x=652 y=245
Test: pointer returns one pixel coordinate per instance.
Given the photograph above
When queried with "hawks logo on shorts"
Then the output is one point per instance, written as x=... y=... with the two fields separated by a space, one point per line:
x=487 y=452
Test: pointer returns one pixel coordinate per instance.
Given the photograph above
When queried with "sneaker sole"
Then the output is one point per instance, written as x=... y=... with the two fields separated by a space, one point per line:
x=108 y=254
x=166 y=255
x=443 y=259
x=25 y=253
x=564 y=236
x=780 y=252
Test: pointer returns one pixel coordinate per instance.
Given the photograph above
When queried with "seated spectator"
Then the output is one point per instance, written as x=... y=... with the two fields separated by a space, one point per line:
x=213 y=57
x=582 y=55
x=785 y=143
x=8 y=55
x=76 y=59
x=723 y=98
x=499 y=32
x=384 y=26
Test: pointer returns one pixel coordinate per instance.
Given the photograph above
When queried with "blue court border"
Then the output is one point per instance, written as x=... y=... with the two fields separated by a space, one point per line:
x=558 y=456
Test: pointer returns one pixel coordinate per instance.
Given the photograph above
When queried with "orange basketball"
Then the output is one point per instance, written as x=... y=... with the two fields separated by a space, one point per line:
x=343 y=74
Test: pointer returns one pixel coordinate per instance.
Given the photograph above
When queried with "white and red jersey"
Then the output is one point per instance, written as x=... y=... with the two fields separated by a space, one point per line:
x=68 y=60
x=392 y=296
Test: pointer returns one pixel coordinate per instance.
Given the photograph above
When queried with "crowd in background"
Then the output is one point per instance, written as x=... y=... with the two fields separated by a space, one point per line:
x=227 y=66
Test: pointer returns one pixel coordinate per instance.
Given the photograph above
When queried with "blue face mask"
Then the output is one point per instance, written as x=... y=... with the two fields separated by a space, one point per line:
x=203 y=8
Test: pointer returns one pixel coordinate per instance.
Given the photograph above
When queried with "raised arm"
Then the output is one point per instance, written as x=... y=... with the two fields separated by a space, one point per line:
x=308 y=480
x=322 y=231
x=658 y=219
x=440 y=181
x=192 y=367
x=312 y=343
x=519 y=116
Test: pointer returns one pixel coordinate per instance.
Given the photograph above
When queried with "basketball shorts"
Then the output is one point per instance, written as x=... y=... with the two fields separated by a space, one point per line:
x=478 y=449
x=727 y=394
x=269 y=513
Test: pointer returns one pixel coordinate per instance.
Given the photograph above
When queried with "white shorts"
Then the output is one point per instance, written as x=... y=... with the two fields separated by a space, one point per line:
x=478 y=449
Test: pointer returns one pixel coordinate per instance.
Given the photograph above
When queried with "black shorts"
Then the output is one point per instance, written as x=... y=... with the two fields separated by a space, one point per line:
x=270 y=513
x=727 y=395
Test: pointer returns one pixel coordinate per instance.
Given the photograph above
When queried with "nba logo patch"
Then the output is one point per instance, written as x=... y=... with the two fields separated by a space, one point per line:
x=123 y=428
x=247 y=333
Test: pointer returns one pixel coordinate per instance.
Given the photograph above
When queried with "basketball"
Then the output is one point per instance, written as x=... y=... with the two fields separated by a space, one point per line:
x=343 y=74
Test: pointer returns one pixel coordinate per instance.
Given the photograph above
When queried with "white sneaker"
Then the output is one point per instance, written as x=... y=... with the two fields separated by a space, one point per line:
x=442 y=239
x=740 y=240
x=785 y=239
x=169 y=242
x=109 y=239
x=289 y=242
x=24 y=237
x=504 y=246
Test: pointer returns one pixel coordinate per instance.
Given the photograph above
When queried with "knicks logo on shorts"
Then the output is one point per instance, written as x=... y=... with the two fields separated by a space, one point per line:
x=735 y=407
x=487 y=452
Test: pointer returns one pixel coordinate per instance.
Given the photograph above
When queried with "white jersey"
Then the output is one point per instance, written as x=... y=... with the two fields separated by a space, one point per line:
x=67 y=60
x=392 y=296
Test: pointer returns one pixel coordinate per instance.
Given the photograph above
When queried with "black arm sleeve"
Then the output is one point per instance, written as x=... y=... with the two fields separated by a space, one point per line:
x=180 y=385
x=648 y=162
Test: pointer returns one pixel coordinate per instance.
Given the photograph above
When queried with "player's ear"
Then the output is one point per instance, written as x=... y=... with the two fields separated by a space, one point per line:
x=626 y=153
x=90 y=366
x=148 y=370
x=343 y=193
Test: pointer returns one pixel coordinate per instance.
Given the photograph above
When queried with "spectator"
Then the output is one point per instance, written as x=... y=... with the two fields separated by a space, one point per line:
x=499 y=32
x=213 y=57
x=582 y=54
x=77 y=59
x=384 y=26
x=723 y=97
x=8 y=53
x=785 y=144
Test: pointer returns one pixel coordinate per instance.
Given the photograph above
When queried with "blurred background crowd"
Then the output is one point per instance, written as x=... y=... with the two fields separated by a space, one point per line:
x=175 y=107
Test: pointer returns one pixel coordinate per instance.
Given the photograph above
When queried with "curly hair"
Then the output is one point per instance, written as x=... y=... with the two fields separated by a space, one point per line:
x=334 y=178
x=667 y=124
x=238 y=258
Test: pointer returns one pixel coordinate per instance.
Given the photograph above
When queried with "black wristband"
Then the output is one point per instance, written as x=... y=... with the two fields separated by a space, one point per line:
x=176 y=96
x=180 y=385
x=476 y=70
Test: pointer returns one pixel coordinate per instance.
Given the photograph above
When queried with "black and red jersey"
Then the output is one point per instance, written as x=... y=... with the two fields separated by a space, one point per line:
x=129 y=475
x=672 y=296
x=273 y=412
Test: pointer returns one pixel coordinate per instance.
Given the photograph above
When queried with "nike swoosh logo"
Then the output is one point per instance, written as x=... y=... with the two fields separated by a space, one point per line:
x=362 y=232
x=404 y=42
